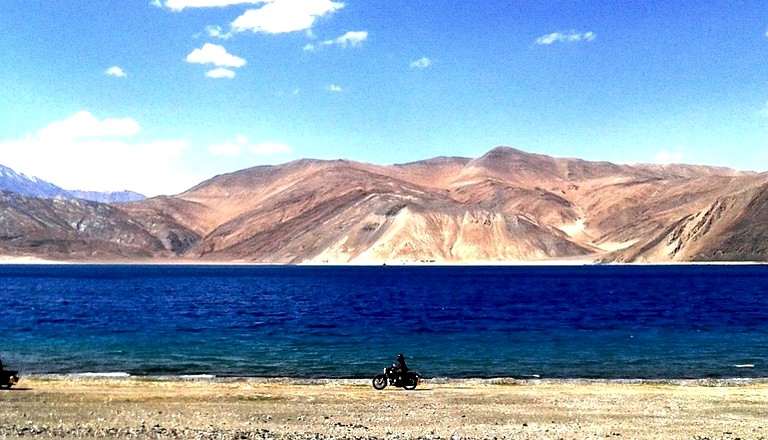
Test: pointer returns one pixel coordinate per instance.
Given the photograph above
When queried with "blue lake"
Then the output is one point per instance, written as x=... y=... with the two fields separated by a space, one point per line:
x=679 y=321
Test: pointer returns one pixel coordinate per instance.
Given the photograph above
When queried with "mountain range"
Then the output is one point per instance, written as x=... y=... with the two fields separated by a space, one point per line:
x=505 y=206
x=19 y=183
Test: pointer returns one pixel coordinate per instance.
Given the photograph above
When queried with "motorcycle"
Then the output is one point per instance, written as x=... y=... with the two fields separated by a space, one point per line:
x=391 y=377
x=8 y=378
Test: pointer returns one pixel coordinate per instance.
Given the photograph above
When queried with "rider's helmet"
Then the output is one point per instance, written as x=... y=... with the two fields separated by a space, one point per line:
x=400 y=357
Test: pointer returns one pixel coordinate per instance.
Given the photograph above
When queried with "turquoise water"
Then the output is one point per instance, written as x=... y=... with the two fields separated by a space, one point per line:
x=653 y=322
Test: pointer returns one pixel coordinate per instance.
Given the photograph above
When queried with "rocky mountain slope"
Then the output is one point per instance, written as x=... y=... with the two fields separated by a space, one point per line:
x=505 y=206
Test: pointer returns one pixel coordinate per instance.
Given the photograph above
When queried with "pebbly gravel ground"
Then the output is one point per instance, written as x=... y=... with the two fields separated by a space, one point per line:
x=135 y=408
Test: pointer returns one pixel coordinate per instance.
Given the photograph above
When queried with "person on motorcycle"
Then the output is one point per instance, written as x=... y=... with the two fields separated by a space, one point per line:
x=400 y=368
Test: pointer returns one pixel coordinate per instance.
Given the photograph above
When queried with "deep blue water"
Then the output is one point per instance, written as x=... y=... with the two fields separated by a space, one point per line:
x=325 y=322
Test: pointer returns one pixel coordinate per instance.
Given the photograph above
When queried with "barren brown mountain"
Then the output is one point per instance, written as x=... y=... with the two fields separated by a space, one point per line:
x=505 y=206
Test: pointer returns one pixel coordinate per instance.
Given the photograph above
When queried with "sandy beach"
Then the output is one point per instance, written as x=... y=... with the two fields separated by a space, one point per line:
x=252 y=408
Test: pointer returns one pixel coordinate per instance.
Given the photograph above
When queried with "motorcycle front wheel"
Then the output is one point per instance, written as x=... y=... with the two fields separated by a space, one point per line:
x=380 y=382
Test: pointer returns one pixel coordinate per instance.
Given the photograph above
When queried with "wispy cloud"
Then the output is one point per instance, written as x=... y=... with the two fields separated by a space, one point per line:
x=220 y=72
x=334 y=88
x=217 y=32
x=421 y=63
x=266 y=148
x=229 y=148
x=115 y=71
x=764 y=110
x=666 y=157
x=241 y=144
x=216 y=55
x=282 y=16
x=571 y=36
x=350 y=39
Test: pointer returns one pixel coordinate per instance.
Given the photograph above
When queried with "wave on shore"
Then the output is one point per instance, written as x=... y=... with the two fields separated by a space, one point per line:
x=443 y=381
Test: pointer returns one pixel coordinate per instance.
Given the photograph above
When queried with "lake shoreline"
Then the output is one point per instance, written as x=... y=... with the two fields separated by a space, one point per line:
x=734 y=381
x=575 y=262
x=242 y=409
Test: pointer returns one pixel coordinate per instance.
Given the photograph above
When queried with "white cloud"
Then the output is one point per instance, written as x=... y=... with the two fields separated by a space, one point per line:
x=267 y=148
x=178 y=5
x=352 y=38
x=220 y=72
x=86 y=153
x=666 y=157
x=334 y=88
x=84 y=125
x=281 y=16
x=241 y=143
x=565 y=37
x=216 y=55
x=230 y=150
x=217 y=32
x=115 y=71
x=421 y=63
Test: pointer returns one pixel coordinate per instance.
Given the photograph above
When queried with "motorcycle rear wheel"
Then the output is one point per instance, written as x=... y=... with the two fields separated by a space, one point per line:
x=380 y=382
x=410 y=382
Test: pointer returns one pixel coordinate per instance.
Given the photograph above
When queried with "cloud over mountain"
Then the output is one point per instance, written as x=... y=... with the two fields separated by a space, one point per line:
x=241 y=144
x=85 y=125
x=85 y=152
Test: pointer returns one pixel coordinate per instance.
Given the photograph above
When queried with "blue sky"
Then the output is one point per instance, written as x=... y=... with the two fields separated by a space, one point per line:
x=158 y=95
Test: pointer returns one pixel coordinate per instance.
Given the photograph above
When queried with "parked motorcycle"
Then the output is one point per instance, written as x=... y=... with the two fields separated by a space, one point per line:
x=8 y=378
x=409 y=380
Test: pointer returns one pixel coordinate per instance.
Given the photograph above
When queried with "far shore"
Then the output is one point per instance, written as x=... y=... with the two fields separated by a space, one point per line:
x=142 y=408
x=6 y=260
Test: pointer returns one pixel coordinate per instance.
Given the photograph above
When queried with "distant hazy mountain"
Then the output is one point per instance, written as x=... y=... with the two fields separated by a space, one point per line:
x=18 y=183
x=22 y=184
x=505 y=206
x=108 y=197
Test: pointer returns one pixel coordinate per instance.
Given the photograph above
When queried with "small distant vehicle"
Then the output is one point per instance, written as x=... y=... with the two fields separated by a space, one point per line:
x=8 y=378
x=409 y=380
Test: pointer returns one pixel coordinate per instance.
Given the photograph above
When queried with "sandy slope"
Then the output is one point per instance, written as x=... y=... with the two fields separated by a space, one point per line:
x=134 y=408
